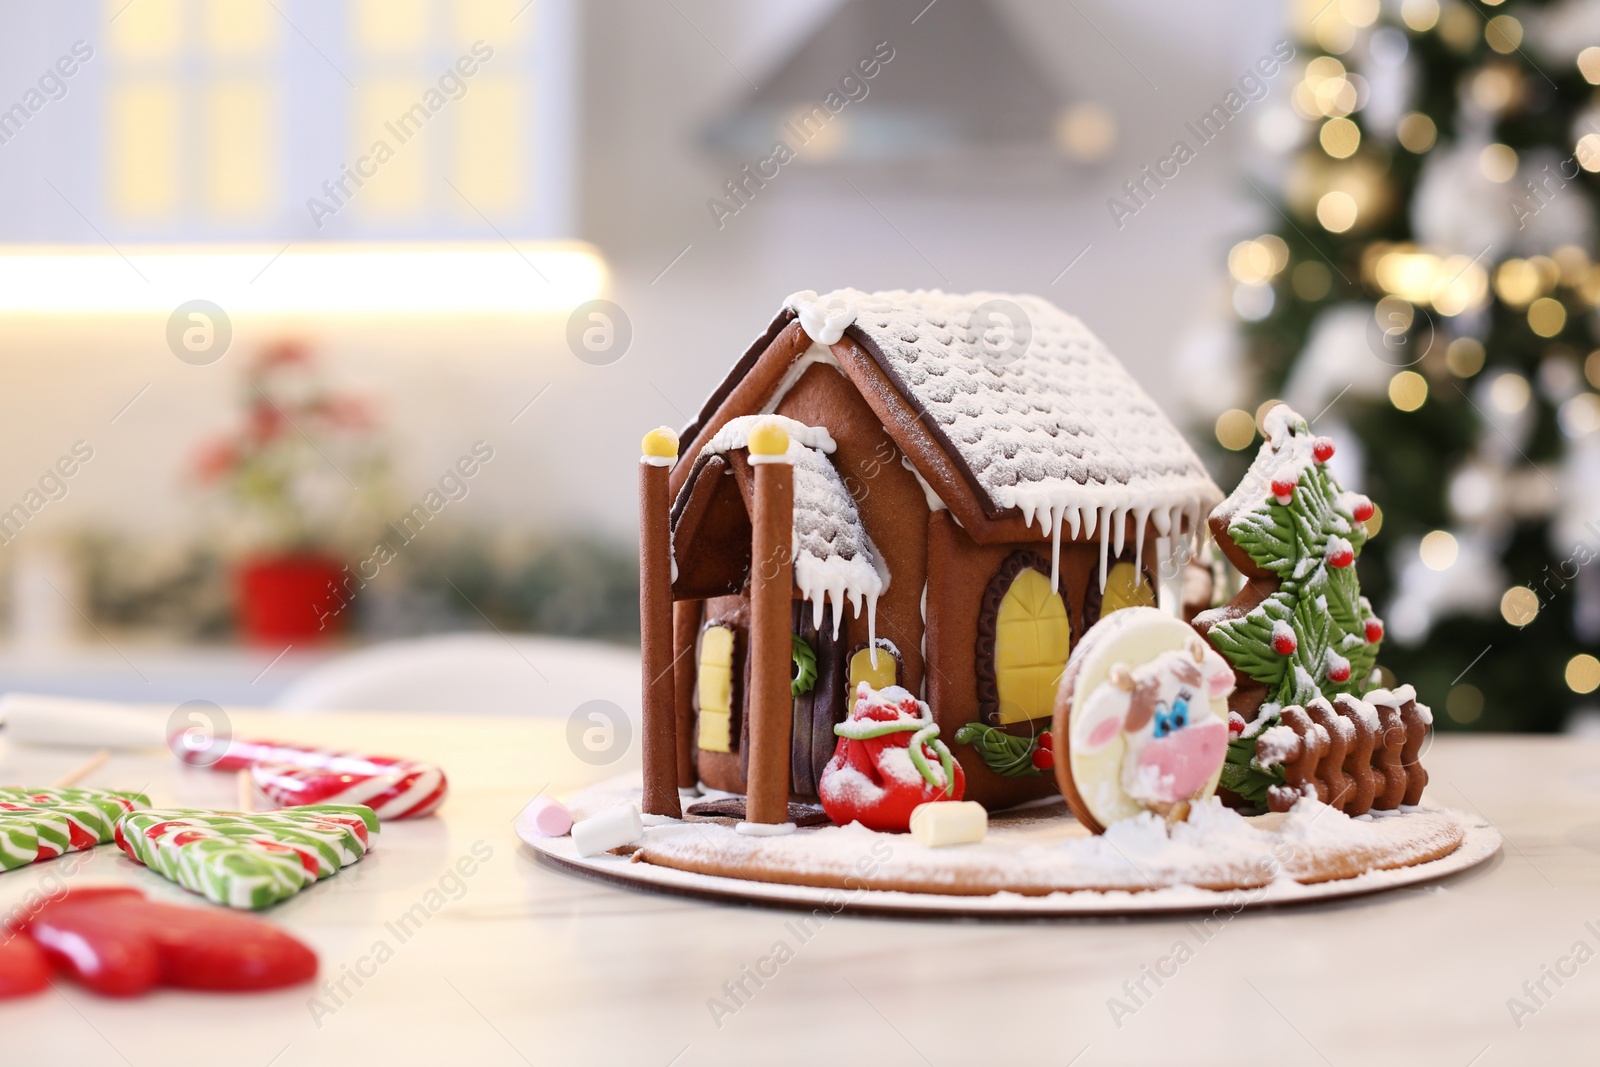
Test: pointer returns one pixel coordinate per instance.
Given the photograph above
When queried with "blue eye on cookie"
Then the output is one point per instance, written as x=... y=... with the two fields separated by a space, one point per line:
x=1174 y=718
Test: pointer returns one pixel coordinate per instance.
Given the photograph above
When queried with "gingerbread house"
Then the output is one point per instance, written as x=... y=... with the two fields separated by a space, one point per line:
x=932 y=490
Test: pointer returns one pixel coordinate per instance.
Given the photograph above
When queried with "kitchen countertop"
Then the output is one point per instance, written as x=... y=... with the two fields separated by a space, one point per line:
x=522 y=963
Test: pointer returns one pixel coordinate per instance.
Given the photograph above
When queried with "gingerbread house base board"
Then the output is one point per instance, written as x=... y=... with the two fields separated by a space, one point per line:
x=1038 y=861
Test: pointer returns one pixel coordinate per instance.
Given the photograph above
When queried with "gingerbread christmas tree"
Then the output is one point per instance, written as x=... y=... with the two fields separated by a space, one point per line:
x=1301 y=629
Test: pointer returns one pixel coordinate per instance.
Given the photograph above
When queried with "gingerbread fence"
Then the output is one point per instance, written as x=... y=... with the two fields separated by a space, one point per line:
x=1353 y=755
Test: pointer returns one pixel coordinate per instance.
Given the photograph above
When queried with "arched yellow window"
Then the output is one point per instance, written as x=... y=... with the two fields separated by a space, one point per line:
x=714 y=689
x=1126 y=588
x=1031 y=639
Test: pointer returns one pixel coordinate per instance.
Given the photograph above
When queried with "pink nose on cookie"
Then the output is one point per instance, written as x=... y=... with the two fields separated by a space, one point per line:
x=1186 y=759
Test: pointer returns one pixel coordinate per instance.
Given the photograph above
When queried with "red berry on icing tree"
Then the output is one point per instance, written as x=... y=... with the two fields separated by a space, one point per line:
x=1283 y=640
x=1374 y=630
x=1340 y=554
x=1283 y=489
x=1322 y=449
x=1047 y=742
x=1043 y=759
x=1235 y=724
x=1363 y=509
x=1337 y=668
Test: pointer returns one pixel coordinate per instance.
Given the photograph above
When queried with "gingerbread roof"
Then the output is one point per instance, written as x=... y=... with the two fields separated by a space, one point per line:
x=834 y=558
x=1043 y=419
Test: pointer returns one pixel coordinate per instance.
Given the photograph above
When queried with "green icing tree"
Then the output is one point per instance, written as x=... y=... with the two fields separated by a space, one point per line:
x=1314 y=634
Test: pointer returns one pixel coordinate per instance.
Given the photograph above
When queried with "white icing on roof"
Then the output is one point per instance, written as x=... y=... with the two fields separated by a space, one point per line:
x=1055 y=427
x=825 y=318
x=834 y=559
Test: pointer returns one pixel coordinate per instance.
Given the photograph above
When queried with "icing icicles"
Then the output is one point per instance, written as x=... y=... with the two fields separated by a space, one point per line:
x=834 y=559
x=1059 y=520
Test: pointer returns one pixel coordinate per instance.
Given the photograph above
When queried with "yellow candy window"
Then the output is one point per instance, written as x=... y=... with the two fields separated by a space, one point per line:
x=715 y=683
x=885 y=674
x=1032 y=641
x=1126 y=588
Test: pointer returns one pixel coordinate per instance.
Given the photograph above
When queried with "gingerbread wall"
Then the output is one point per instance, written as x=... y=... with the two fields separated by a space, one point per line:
x=892 y=505
x=959 y=572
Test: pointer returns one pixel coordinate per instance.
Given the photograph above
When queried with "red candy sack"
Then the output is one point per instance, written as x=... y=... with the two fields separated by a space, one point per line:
x=889 y=760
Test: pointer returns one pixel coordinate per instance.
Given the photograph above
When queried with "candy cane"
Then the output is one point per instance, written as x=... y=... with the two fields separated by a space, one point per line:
x=296 y=775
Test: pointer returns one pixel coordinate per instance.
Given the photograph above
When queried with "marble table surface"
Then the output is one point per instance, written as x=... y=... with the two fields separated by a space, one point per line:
x=522 y=963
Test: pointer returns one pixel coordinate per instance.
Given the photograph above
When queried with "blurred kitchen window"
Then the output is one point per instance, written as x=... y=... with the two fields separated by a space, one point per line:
x=244 y=121
x=241 y=150
x=503 y=22
x=144 y=29
x=239 y=27
x=144 y=149
x=392 y=25
x=488 y=146
x=390 y=111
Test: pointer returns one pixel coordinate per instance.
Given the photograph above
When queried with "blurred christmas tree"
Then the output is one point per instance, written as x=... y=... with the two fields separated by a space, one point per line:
x=1428 y=299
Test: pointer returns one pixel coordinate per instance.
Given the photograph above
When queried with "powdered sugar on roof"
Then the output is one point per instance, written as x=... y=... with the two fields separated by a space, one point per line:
x=834 y=559
x=1043 y=417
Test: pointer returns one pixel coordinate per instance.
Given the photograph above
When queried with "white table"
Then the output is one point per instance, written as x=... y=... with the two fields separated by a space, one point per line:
x=531 y=965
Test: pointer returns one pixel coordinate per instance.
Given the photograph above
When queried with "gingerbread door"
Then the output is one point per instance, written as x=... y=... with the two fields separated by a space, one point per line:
x=820 y=704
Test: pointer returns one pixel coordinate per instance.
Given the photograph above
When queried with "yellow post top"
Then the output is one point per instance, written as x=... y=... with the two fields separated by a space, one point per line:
x=768 y=439
x=661 y=442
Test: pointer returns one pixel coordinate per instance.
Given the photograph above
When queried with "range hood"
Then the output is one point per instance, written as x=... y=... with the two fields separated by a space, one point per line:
x=958 y=85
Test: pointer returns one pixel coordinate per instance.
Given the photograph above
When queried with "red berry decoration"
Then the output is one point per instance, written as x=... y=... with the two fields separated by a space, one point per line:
x=1339 y=671
x=1322 y=449
x=1283 y=641
x=1374 y=631
x=1046 y=741
x=1340 y=554
x=1043 y=759
x=1235 y=724
x=1283 y=489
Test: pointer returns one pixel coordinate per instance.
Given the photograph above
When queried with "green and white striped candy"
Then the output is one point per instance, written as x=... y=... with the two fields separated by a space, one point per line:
x=326 y=831
x=247 y=859
x=95 y=811
x=332 y=849
x=28 y=835
x=235 y=872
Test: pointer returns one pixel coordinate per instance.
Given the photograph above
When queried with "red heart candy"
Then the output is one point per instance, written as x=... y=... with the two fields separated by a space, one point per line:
x=120 y=944
x=24 y=970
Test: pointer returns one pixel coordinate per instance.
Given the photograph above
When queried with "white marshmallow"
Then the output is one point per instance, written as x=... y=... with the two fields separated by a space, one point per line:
x=608 y=830
x=949 y=822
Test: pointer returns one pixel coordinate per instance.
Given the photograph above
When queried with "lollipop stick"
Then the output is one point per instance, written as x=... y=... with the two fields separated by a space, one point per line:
x=247 y=791
x=82 y=770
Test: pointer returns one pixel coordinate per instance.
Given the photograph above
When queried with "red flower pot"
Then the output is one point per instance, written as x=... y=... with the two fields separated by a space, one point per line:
x=296 y=599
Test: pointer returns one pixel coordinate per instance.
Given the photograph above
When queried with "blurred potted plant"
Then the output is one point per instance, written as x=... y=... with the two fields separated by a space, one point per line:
x=299 y=478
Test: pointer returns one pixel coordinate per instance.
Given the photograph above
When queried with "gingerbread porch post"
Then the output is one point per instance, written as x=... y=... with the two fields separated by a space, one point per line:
x=771 y=594
x=660 y=450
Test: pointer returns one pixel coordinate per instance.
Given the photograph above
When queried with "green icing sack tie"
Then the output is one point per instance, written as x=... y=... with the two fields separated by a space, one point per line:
x=925 y=733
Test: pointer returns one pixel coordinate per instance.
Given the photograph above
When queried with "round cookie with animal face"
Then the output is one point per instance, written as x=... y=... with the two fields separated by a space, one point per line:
x=1141 y=719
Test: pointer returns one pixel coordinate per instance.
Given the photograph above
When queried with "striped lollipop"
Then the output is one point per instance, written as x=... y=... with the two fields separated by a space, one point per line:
x=296 y=775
